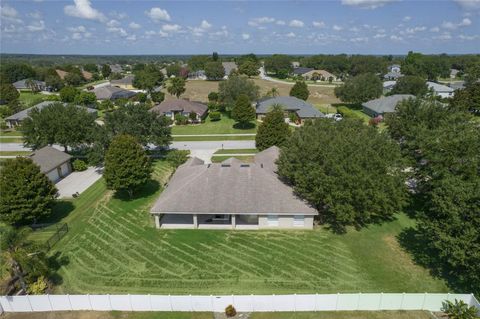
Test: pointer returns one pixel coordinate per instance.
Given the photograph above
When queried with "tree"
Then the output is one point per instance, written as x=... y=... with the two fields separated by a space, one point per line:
x=127 y=165
x=411 y=84
x=8 y=93
x=74 y=79
x=273 y=92
x=27 y=193
x=360 y=88
x=300 y=90
x=279 y=64
x=176 y=87
x=214 y=56
x=85 y=99
x=213 y=97
x=106 y=105
x=197 y=62
x=32 y=85
x=273 y=130
x=91 y=67
x=249 y=68
x=68 y=94
x=214 y=70
x=459 y=310
x=234 y=86
x=58 y=124
x=243 y=111
x=106 y=71
x=14 y=72
x=53 y=81
x=472 y=74
x=348 y=171
x=148 y=78
x=136 y=120
x=173 y=69
x=157 y=96
x=467 y=99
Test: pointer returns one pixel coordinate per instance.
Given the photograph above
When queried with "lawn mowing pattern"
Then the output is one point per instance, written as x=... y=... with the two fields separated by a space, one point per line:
x=224 y=126
x=212 y=138
x=236 y=151
x=243 y=158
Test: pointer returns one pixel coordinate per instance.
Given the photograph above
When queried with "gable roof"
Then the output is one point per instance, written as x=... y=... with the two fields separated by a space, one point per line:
x=111 y=93
x=386 y=104
x=302 y=70
x=62 y=74
x=87 y=75
x=236 y=188
x=49 y=158
x=289 y=103
x=322 y=73
x=393 y=75
x=439 y=87
x=229 y=67
x=127 y=80
x=180 y=105
x=20 y=85
x=24 y=113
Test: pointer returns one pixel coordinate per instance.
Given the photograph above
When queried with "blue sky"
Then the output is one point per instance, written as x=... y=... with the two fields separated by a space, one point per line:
x=262 y=27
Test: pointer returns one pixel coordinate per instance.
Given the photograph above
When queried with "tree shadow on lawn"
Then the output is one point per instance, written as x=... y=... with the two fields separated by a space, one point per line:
x=150 y=188
x=60 y=210
x=247 y=126
x=55 y=262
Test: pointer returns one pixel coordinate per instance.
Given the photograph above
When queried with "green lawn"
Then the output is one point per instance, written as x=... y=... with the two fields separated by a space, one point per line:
x=10 y=133
x=219 y=159
x=14 y=153
x=224 y=126
x=30 y=99
x=113 y=247
x=238 y=151
x=212 y=138
x=11 y=140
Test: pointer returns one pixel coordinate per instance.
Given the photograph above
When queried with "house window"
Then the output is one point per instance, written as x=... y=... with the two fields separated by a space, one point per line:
x=272 y=220
x=298 y=221
x=169 y=114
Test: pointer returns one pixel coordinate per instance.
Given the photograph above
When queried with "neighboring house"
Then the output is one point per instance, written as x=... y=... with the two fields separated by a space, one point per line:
x=301 y=71
x=125 y=83
x=319 y=75
x=231 y=195
x=229 y=67
x=392 y=76
x=394 y=68
x=22 y=85
x=87 y=75
x=458 y=85
x=197 y=75
x=52 y=162
x=289 y=104
x=62 y=74
x=170 y=108
x=295 y=64
x=453 y=73
x=116 y=68
x=112 y=93
x=388 y=86
x=17 y=118
x=441 y=90
x=386 y=104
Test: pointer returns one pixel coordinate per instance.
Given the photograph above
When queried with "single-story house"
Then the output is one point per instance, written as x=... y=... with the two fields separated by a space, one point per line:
x=289 y=104
x=125 y=83
x=301 y=70
x=392 y=76
x=116 y=68
x=454 y=73
x=386 y=104
x=388 y=86
x=231 y=195
x=197 y=75
x=295 y=64
x=112 y=93
x=441 y=90
x=170 y=108
x=23 y=85
x=85 y=74
x=458 y=85
x=229 y=67
x=52 y=162
x=395 y=68
x=319 y=75
x=17 y=118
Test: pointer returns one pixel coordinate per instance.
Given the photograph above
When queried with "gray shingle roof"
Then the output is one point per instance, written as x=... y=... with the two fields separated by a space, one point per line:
x=180 y=105
x=386 y=104
x=230 y=188
x=49 y=158
x=289 y=103
x=20 y=116
x=112 y=93
x=229 y=67
x=393 y=75
x=302 y=70
x=439 y=87
x=21 y=85
x=127 y=80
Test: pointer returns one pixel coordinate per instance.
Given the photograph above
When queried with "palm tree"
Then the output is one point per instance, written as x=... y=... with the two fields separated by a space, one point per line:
x=177 y=86
x=273 y=92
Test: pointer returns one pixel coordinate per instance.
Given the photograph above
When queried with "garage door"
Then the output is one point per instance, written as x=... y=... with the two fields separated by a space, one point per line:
x=298 y=221
x=65 y=169
x=53 y=175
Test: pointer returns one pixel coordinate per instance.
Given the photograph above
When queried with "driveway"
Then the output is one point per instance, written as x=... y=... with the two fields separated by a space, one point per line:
x=78 y=182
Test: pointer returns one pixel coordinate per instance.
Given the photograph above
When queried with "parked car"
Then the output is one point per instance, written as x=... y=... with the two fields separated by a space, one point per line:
x=335 y=116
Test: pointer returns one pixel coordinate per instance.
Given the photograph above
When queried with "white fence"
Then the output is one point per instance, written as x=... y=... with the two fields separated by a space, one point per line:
x=245 y=303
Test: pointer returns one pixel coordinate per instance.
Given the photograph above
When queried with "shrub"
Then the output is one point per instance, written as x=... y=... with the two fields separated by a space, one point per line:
x=459 y=310
x=181 y=119
x=212 y=106
x=177 y=157
x=215 y=116
x=346 y=112
x=294 y=117
x=213 y=96
x=79 y=165
x=157 y=97
x=230 y=311
x=374 y=121
x=38 y=287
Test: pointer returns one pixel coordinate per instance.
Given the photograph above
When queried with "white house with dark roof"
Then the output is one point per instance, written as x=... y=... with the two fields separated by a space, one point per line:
x=386 y=104
x=52 y=162
x=231 y=195
x=289 y=104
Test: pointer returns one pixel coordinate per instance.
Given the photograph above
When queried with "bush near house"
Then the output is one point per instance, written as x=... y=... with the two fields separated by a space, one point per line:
x=346 y=112
x=181 y=119
x=79 y=165
x=215 y=116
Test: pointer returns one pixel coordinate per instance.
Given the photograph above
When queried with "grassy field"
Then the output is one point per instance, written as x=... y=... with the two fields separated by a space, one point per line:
x=29 y=99
x=212 y=138
x=238 y=151
x=225 y=126
x=219 y=159
x=11 y=133
x=14 y=153
x=208 y=315
x=11 y=140
x=113 y=247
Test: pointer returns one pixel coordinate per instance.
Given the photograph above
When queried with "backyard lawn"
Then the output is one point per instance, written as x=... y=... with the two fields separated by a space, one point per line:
x=213 y=138
x=113 y=247
x=243 y=158
x=29 y=99
x=225 y=126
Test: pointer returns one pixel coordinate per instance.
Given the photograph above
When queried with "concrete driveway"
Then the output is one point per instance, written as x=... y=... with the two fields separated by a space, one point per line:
x=78 y=182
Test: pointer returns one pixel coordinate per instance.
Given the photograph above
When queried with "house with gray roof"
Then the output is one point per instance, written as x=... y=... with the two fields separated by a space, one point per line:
x=301 y=70
x=386 y=104
x=229 y=67
x=23 y=85
x=289 y=104
x=441 y=90
x=124 y=83
x=112 y=93
x=52 y=162
x=17 y=118
x=170 y=108
x=231 y=195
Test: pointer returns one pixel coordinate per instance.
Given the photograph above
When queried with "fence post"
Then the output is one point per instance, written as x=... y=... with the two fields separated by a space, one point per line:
x=30 y=303
x=295 y=303
x=336 y=301
x=130 y=302
x=233 y=300
x=191 y=303
x=150 y=302
x=358 y=300
x=253 y=303
x=110 y=301
x=448 y=296
x=90 y=302
x=50 y=302
x=316 y=302
x=70 y=302
x=9 y=304
x=211 y=302
x=401 y=303
x=423 y=303
x=170 y=301
x=381 y=299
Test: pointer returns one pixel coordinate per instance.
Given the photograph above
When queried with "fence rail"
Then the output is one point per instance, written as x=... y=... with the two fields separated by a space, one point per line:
x=244 y=303
x=59 y=233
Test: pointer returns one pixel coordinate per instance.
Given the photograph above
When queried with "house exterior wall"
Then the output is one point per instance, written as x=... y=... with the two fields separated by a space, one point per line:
x=285 y=222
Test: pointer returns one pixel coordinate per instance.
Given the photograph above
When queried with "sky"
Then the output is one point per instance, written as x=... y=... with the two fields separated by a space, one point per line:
x=238 y=27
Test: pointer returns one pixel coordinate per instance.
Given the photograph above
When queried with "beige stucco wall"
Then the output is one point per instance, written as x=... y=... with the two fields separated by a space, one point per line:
x=285 y=222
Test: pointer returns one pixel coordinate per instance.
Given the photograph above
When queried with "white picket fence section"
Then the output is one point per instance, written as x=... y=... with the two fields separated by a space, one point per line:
x=244 y=303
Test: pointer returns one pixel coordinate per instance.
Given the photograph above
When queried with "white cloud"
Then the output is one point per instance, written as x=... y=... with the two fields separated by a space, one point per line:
x=158 y=14
x=76 y=36
x=201 y=29
x=318 y=24
x=280 y=22
x=171 y=27
x=290 y=35
x=435 y=29
x=296 y=23
x=223 y=32
x=134 y=25
x=443 y=36
x=407 y=18
x=359 y=39
x=10 y=14
x=468 y=37
x=367 y=4
x=245 y=36
x=396 y=38
x=120 y=31
x=415 y=30
x=84 y=10
x=118 y=15
x=205 y=25
x=113 y=23
x=337 y=27
x=469 y=5
x=79 y=29
x=132 y=37
x=36 y=26
x=36 y=15
x=452 y=26
x=379 y=36
x=150 y=32
x=162 y=34
x=262 y=20
x=354 y=29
